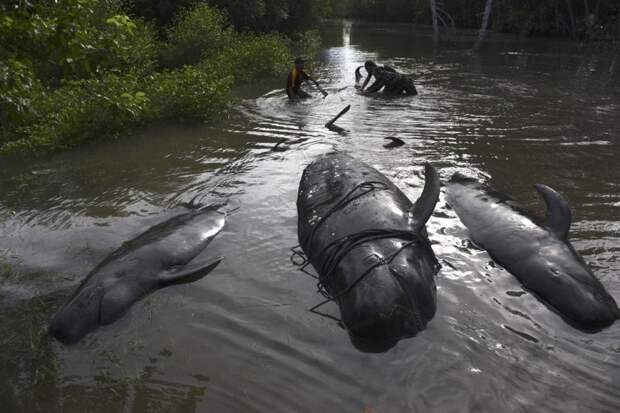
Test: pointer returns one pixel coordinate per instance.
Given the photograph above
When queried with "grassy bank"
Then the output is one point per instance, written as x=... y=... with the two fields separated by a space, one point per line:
x=77 y=70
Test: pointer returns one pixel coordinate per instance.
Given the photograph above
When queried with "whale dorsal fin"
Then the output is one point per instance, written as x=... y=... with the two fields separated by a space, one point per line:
x=424 y=206
x=558 y=218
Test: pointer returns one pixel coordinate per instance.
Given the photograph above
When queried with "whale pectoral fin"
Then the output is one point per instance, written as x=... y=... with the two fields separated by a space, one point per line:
x=188 y=274
x=424 y=206
x=558 y=218
x=116 y=301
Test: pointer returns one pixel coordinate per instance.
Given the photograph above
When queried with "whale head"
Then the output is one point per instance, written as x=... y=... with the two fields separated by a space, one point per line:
x=93 y=306
x=571 y=288
x=78 y=317
x=393 y=302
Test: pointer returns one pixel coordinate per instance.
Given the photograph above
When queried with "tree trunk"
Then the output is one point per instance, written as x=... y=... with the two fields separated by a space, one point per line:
x=485 y=24
x=434 y=16
x=572 y=18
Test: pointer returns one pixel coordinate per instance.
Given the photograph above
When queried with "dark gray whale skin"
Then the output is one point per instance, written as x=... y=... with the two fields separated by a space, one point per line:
x=155 y=259
x=382 y=308
x=538 y=253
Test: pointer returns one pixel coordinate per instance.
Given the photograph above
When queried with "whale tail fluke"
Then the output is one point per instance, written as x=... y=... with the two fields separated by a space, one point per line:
x=425 y=205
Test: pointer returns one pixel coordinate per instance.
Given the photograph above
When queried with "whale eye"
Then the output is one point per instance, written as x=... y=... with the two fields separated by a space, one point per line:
x=372 y=258
x=555 y=271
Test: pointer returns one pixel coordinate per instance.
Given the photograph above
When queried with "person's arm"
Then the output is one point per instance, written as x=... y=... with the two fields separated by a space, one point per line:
x=358 y=75
x=366 y=81
x=375 y=87
x=316 y=84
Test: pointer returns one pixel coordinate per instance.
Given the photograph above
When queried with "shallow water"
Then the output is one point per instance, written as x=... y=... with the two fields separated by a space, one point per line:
x=241 y=339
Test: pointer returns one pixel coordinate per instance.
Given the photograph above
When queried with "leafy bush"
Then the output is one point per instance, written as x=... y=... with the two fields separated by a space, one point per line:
x=187 y=93
x=251 y=56
x=306 y=43
x=75 y=39
x=80 y=111
x=196 y=31
x=18 y=87
x=77 y=70
x=83 y=110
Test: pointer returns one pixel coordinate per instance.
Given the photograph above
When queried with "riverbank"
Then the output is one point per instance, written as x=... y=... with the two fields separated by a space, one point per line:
x=77 y=71
x=583 y=20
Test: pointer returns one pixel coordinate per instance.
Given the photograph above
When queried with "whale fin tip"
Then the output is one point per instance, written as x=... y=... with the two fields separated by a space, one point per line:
x=189 y=274
x=425 y=205
x=558 y=218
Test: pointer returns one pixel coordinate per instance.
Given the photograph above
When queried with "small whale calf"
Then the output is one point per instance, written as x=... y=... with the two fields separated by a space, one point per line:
x=539 y=254
x=160 y=257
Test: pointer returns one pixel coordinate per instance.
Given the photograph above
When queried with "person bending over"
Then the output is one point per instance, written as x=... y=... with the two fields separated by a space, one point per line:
x=295 y=78
x=388 y=79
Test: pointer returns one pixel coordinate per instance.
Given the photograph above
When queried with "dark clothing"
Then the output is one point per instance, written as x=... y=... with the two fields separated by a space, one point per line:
x=392 y=82
x=388 y=68
x=293 y=84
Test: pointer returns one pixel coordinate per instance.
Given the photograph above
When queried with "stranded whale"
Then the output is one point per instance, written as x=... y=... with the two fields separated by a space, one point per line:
x=368 y=243
x=159 y=257
x=539 y=254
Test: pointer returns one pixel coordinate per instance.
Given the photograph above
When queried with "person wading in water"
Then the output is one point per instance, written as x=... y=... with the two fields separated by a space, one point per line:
x=295 y=78
x=394 y=83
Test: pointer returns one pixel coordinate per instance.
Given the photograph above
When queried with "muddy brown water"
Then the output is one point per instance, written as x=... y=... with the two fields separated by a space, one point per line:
x=241 y=340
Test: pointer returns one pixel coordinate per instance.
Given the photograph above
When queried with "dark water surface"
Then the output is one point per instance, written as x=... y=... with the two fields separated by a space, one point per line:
x=241 y=339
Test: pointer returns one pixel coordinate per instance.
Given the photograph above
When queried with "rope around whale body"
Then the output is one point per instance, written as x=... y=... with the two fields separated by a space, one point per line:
x=339 y=248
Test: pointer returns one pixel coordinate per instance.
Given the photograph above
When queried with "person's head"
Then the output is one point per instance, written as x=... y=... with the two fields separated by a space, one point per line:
x=370 y=66
x=299 y=63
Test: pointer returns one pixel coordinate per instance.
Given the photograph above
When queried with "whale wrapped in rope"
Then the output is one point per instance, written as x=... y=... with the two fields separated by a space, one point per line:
x=369 y=246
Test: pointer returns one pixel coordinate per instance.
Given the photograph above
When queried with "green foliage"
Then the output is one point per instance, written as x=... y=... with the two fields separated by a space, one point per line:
x=79 y=111
x=94 y=72
x=187 y=93
x=306 y=43
x=73 y=39
x=18 y=87
x=257 y=15
x=196 y=31
x=251 y=56
x=288 y=16
x=83 y=110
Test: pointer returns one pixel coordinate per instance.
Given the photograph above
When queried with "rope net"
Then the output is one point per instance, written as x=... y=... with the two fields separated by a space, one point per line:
x=338 y=249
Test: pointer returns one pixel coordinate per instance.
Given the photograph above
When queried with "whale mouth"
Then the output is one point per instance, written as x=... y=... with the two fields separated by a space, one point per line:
x=378 y=343
x=381 y=334
x=371 y=345
x=61 y=331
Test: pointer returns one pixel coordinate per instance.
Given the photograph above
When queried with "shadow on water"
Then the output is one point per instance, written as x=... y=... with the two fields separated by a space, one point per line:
x=31 y=379
x=241 y=339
